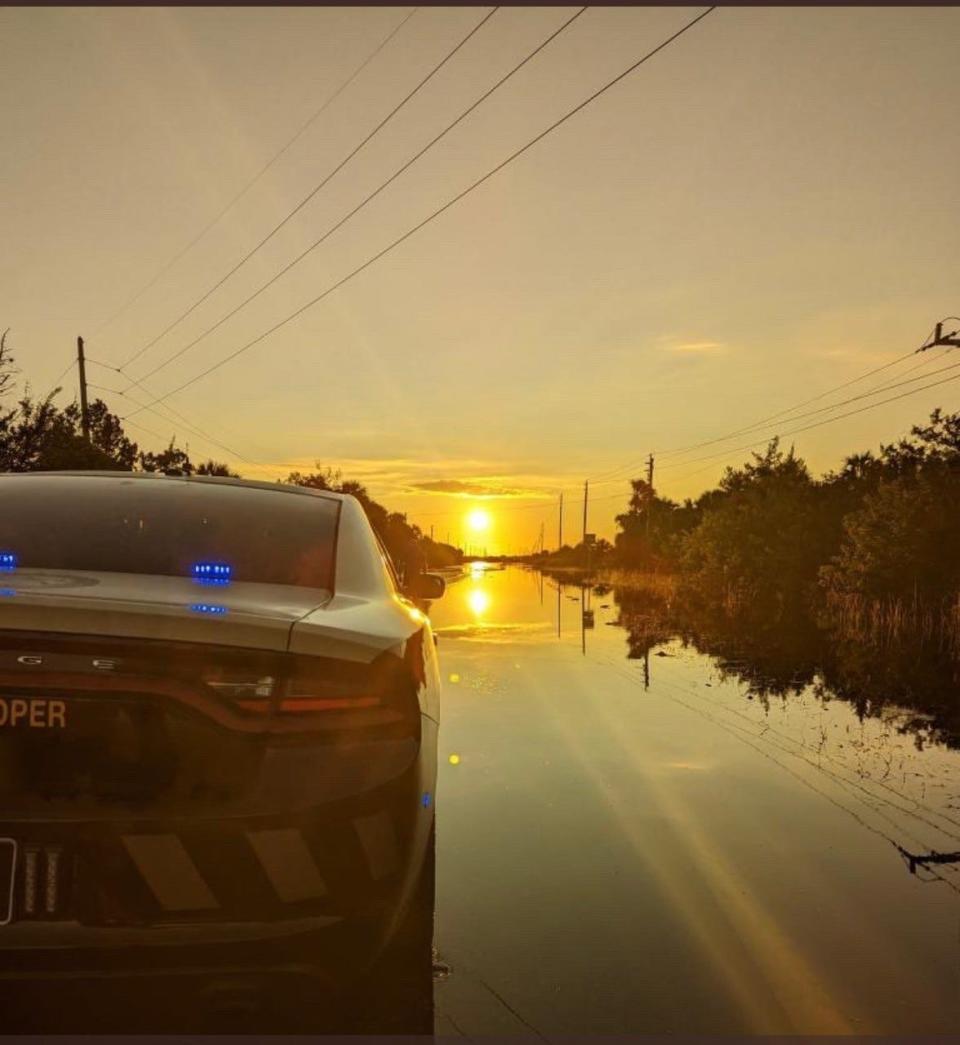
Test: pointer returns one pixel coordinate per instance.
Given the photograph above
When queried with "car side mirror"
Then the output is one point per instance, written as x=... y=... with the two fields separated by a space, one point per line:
x=425 y=586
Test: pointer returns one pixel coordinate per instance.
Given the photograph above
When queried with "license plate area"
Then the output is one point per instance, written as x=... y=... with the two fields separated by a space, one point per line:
x=35 y=881
x=8 y=868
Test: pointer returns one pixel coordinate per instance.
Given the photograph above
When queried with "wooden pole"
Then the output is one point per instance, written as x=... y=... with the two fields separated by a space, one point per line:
x=560 y=526
x=84 y=408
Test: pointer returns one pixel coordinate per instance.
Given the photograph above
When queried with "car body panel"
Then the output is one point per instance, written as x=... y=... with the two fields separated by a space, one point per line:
x=210 y=796
x=173 y=609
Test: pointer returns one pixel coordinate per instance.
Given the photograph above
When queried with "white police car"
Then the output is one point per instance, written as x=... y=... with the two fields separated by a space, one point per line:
x=218 y=729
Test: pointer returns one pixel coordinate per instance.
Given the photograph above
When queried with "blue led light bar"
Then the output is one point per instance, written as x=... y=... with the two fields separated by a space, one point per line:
x=209 y=608
x=211 y=572
x=8 y=562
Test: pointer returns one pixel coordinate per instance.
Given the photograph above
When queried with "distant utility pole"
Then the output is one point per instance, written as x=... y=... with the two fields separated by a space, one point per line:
x=586 y=546
x=586 y=494
x=939 y=338
x=84 y=409
x=650 y=484
x=560 y=526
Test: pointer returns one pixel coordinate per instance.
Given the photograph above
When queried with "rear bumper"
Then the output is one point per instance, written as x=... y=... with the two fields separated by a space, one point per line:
x=327 y=951
x=316 y=893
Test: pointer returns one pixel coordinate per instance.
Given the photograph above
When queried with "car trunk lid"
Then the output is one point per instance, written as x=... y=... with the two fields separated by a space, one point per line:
x=173 y=609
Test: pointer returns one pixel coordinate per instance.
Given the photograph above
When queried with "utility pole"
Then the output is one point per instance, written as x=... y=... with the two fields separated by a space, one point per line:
x=939 y=338
x=650 y=484
x=560 y=526
x=84 y=409
x=586 y=546
x=586 y=494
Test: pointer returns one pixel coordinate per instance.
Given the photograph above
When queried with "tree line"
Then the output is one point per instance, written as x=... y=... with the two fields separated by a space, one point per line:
x=38 y=435
x=873 y=546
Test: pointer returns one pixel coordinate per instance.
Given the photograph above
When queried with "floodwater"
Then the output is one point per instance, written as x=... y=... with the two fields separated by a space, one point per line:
x=633 y=837
x=724 y=833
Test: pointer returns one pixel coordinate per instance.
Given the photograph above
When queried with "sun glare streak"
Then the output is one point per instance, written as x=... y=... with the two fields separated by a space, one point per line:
x=798 y=994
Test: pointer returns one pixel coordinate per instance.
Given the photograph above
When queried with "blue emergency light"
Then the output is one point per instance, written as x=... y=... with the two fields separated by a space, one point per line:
x=8 y=562
x=211 y=572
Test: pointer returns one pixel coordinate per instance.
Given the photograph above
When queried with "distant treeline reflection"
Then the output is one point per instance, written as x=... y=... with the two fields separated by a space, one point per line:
x=777 y=659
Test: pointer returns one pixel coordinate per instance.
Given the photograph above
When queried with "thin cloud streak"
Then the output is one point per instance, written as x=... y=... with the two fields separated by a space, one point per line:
x=699 y=348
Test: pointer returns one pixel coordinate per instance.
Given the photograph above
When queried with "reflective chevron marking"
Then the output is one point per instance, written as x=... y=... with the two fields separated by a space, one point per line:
x=284 y=856
x=379 y=841
x=167 y=869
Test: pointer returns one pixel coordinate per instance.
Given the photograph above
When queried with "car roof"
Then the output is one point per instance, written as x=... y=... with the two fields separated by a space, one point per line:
x=222 y=480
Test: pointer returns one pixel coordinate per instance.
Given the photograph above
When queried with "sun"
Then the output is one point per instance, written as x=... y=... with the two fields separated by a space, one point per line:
x=478 y=520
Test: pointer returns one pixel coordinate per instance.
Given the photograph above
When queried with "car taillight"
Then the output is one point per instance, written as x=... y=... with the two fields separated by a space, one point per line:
x=318 y=689
x=240 y=686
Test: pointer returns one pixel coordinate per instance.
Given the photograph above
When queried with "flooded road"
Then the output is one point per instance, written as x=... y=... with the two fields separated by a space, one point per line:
x=647 y=843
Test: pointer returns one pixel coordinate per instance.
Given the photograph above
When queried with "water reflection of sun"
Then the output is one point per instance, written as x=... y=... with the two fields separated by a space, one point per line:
x=479 y=601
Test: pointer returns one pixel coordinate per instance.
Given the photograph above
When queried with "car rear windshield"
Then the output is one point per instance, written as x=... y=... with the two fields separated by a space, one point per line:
x=168 y=527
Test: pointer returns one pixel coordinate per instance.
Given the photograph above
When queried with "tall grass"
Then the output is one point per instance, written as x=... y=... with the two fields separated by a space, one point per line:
x=891 y=621
x=660 y=585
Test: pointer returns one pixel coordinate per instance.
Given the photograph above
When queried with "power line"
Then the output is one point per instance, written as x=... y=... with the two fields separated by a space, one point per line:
x=759 y=424
x=367 y=199
x=313 y=192
x=440 y=210
x=816 y=424
x=810 y=413
x=939 y=338
x=149 y=431
x=863 y=395
x=263 y=170
x=179 y=416
x=136 y=424
x=199 y=433
x=797 y=406
x=63 y=373
x=551 y=505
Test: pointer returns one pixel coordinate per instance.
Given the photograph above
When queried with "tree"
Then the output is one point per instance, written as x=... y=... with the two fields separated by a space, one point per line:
x=171 y=461
x=903 y=542
x=759 y=544
x=650 y=528
x=38 y=436
x=8 y=370
x=211 y=467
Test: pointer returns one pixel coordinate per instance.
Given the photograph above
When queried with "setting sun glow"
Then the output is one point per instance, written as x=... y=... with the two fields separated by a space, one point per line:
x=478 y=520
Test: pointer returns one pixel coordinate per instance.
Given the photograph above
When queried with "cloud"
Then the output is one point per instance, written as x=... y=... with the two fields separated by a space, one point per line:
x=467 y=488
x=698 y=347
x=392 y=478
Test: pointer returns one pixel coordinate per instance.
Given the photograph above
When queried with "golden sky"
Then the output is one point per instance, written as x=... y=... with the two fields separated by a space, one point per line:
x=763 y=211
